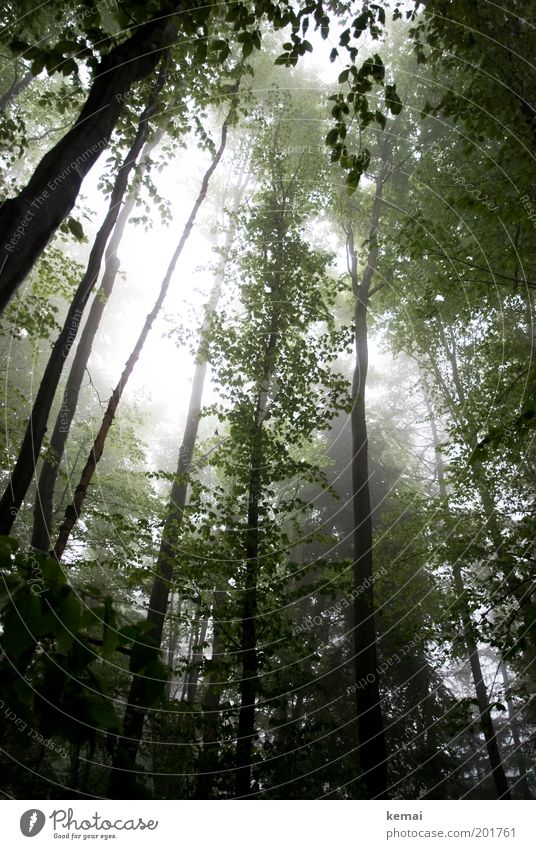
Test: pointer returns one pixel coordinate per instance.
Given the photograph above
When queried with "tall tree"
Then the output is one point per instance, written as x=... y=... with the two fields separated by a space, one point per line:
x=73 y=510
x=269 y=348
x=123 y=777
x=372 y=752
x=25 y=465
x=44 y=498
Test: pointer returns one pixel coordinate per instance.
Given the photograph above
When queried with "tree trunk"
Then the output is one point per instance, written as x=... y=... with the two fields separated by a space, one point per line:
x=208 y=758
x=73 y=510
x=249 y=680
x=372 y=752
x=35 y=430
x=44 y=500
x=481 y=693
x=29 y=220
x=174 y=633
x=192 y=640
x=122 y=779
x=195 y=663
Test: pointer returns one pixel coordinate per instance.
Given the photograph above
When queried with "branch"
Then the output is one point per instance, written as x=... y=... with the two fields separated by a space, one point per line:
x=480 y=268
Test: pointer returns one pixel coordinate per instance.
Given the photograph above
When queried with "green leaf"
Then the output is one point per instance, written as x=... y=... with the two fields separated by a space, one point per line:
x=24 y=624
x=51 y=569
x=100 y=711
x=37 y=66
x=332 y=136
x=76 y=229
x=68 y=67
x=392 y=100
x=69 y=615
x=344 y=39
x=378 y=69
x=380 y=118
x=18 y=46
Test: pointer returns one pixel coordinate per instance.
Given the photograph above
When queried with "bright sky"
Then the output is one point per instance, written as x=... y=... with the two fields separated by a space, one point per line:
x=162 y=375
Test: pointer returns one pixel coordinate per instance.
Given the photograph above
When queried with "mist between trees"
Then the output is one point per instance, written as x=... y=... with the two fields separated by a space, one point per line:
x=337 y=608
x=267 y=510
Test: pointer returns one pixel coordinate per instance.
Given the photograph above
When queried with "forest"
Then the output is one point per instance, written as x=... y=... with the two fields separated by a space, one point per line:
x=267 y=506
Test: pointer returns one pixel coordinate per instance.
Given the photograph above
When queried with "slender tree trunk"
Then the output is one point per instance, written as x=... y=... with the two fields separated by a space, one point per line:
x=73 y=510
x=486 y=721
x=122 y=779
x=29 y=220
x=24 y=469
x=44 y=500
x=192 y=639
x=195 y=663
x=208 y=759
x=372 y=752
x=249 y=680
x=174 y=634
x=17 y=88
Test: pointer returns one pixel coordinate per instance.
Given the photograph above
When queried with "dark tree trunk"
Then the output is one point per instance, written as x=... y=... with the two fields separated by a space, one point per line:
x=44 y=500
x=35 y=430
x=248 y=642
x=73 y=510
x=486 y=722
x=29 y=220
x=123 y=777
x=208 y=759
x=195 y=663
x=372 y=752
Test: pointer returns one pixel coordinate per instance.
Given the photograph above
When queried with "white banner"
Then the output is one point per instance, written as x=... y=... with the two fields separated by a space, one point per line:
x=265 y=825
